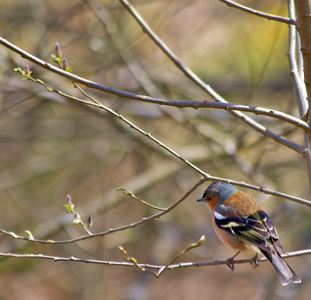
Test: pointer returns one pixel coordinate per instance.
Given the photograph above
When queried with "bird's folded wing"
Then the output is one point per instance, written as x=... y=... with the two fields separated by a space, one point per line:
x=252 y=229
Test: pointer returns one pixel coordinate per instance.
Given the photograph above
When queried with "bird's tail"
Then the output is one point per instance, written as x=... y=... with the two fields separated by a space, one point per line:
x=283 y=270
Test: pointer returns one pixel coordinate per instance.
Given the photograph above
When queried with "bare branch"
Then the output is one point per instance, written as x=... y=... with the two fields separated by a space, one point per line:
x=206 y=177
x=158 y=215
x=259 y=13
x=194 y=78
x=231 y=107
x=146 y=266
x=109 y=231
x=238 y=261
x=299 y=85
x=261 y=189
x=180 y=103
x=161 y=101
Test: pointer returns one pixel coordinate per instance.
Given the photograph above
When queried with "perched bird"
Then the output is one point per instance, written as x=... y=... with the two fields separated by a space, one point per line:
x=241 y=224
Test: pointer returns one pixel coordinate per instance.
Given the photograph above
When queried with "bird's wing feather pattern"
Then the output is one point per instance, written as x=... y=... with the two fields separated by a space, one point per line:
x=256 y=229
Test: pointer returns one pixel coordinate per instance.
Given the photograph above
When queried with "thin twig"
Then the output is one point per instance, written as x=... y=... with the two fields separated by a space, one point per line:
x=135 y=262
x=190 y=247
x=129 y=193
x=259 y=13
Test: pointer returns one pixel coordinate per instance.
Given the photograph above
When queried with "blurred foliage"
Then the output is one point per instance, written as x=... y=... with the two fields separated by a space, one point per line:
x=51 y=147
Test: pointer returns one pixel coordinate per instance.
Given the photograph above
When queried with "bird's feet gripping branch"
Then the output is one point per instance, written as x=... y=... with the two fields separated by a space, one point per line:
x=254 y=261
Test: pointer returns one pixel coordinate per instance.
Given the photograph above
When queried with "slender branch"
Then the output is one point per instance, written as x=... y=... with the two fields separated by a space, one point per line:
x=129 y=193
x=299 y=85
x=158 y=215
x=190 y=247
x=303 y=11
x=239 y=261
x=206 y=177
x=233 y=108
x=161 y=101
x=194 y=78
x=259 y=13
x=261 y=189
x=135 y=262
x=230 y=107
x=144 y=266
x=300 y=88
x=109 y=231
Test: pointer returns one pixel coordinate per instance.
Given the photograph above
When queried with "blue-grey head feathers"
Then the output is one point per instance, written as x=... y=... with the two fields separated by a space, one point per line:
x=221 y=190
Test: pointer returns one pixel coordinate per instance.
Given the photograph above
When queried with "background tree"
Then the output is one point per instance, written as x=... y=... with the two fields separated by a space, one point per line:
x=54 y=145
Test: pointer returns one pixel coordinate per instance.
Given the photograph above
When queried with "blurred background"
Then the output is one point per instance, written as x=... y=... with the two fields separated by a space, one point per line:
x=52 y=147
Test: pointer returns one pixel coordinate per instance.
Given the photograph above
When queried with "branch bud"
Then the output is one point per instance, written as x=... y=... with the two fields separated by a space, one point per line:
x=58 y=52
x=64 y=64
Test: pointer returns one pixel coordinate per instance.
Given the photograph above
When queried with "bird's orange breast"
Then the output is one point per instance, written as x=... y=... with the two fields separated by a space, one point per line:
x=241 y=205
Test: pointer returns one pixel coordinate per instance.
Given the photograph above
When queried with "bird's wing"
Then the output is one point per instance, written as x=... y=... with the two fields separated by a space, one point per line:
x=256 y=229
x=272 y=231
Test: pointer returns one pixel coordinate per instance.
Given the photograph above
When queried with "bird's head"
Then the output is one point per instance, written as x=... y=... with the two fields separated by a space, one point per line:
x=217 y=193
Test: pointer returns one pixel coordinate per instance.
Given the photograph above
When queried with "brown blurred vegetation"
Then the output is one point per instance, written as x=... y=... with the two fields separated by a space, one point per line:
x=51 y=147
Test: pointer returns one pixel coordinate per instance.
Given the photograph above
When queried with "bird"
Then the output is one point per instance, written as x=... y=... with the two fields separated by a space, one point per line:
x=241 y=224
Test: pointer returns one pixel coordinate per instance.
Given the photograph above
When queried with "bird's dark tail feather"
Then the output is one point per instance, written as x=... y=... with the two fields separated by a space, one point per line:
x=283 y=270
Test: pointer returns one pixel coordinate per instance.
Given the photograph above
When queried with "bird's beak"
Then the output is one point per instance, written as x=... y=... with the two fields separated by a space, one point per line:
x=201 y=199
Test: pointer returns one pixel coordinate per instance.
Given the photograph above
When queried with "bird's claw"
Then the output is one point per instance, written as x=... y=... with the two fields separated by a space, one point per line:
x=254 y=261
x=230 y=263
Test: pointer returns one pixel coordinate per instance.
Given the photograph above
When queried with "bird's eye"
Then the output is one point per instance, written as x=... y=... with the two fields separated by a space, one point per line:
x=208 y=198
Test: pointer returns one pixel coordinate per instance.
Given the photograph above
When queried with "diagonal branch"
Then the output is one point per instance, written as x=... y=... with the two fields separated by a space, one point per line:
x=174 y=153
x=192 y=76
x=112 y=230
x=233 y=108
x=157 y=215
x=206 y=177
x=259 y=13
